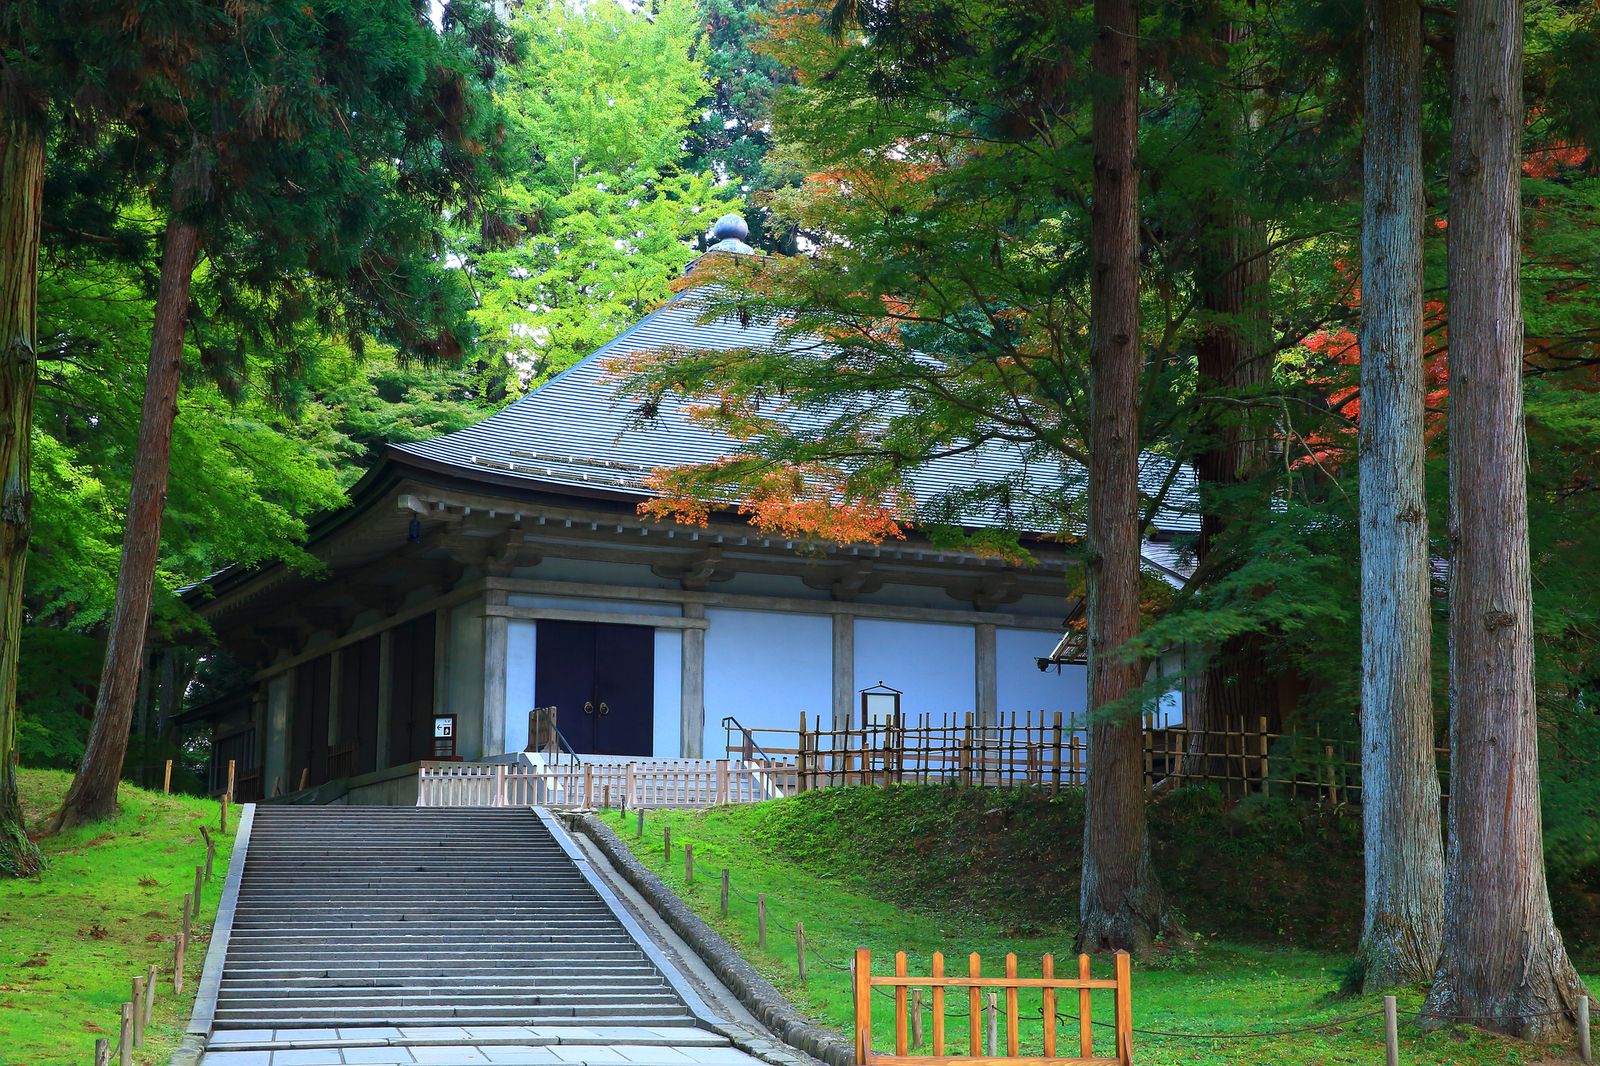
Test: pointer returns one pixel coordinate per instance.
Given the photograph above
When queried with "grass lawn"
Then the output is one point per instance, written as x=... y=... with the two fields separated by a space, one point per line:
x=107 y=906
x=854 y=885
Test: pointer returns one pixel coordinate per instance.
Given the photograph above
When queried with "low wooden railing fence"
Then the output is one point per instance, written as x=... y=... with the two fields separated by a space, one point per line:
x=596 y=785
x=1082 y=985
x=1051 y=750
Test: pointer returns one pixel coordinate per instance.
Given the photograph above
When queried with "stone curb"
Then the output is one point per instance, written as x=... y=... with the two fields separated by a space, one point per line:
x=756 y=993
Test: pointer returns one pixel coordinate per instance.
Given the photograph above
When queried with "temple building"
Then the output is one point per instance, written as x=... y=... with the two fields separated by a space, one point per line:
x=506 y=566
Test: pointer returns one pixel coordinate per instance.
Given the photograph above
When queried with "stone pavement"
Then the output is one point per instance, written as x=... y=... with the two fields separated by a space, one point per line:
x=459 y=1046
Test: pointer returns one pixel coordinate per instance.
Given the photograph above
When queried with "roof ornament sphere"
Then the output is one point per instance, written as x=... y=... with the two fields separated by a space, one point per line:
x=730 y=226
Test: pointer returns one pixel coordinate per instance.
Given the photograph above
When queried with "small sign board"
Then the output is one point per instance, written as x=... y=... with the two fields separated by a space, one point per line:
x=879 y=705
x=444 y=736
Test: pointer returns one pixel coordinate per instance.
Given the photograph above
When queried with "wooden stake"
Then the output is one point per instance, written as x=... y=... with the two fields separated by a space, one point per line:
x=916 y=1018
x=640 y=833
x=761 y=921
x=199 y=879
x=125 y=1040
x=102 y=1046
x=666 y=841
x=179 y=949
x=1584 y=1051
x=688 y=864
x=800 y=949
x=991 y=1013
x=724 y=891
x=1391 y=1032
x=149 y=995
x=188 y=914
x=166 y=786
x=211 y=849
x=222 y=813
x=305 y=777
x=231 y=794
x=136 y=1007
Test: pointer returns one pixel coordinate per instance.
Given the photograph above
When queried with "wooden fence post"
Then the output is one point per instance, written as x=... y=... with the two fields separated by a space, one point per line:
x=136 y=1007
x=627 y=786
x=724 y=891
x=761 y=920
x=1333 y=788
x=233 y=797
x=1124 y=1010
x=199 y=880
x=125 y=1041
x=723 y=792
x=588 y=784
x=305 y=778
x=1391 y=1032
x=1584 y=1051
x=1055 y=755
x=688 y=864
x=179 y=948
x=861 y=977
x=205 y=834
x=102 y=1049
x=166 y=779
x=222 y=813
x=640 y=834
x=188 y=914
x=916 y=1018
x=800 y=949
x=150 y=994
x=974 y=1008
x=1266 y=771
x=666 y=842
x=991 y=1015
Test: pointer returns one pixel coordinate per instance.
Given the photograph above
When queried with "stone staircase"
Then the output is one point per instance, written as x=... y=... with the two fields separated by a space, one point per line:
x=403 y=916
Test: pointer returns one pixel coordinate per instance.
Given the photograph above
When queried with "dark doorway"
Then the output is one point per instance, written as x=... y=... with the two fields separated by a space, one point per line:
x=601 y=680
x=411 y=691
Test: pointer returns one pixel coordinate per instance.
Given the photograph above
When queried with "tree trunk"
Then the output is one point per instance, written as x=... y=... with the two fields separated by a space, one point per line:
x=21 y=215
x=1121 y=905
x=1399 y=773
x=93 y=794
x=1502 y=963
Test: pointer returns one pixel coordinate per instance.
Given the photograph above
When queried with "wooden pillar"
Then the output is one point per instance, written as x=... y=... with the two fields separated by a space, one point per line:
x=441 y=661
x=844 y=670
x=496 y=646
x=335 y=683
x=385 y=697
x=692 y=697
x=987 y=696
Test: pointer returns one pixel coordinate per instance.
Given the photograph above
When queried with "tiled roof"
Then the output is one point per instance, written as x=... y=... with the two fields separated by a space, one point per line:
x=575 y=431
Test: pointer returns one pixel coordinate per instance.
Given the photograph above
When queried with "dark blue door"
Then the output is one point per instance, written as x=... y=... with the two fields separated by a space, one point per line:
x=601 y=680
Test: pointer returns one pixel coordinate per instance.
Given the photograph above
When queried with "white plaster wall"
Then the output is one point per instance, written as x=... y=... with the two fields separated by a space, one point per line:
x=667 y=742
x=1170 y=709
x=1023 y=688
x=934 y=665
x=464 y=684
x=764 y=668
x=276 y=742
x=521 y=644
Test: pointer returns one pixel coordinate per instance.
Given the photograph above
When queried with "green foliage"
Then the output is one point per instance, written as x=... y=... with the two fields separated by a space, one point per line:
x=732 y=137
x=106 y=907
x=55 y=690
x=598 y=213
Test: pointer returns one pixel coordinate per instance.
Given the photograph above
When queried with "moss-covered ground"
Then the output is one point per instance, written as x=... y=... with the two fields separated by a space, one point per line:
x=1270 y=896
x=107 y=906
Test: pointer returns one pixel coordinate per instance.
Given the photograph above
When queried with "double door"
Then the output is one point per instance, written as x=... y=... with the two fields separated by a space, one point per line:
x=601 y=681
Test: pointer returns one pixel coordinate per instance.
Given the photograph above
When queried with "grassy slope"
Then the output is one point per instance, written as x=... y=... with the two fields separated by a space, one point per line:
x=108 y=905
x=926 y=870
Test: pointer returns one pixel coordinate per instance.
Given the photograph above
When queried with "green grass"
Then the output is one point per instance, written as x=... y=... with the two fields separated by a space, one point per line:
x=107 y=906
x=855 y=870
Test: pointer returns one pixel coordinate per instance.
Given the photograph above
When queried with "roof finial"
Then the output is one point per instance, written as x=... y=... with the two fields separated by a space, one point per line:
x=728 y=234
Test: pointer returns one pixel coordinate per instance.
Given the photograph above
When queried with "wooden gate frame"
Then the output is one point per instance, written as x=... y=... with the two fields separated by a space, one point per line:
x=1049 y=984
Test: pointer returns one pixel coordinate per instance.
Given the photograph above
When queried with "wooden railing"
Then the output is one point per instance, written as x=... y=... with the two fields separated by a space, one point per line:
x=1048 y=984
x=643 y=783
x=1051 y=750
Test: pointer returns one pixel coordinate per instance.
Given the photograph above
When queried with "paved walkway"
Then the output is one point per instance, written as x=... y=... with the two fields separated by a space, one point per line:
x=453 y=1046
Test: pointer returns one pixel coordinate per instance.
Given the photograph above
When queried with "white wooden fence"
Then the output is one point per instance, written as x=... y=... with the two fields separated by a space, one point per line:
x=646 y=783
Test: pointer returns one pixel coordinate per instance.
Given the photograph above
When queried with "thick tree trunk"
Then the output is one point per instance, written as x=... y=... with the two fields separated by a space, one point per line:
x=93 y=794
x=1121 y=905
x=1399 y=775
x=1502 y=963
x=21 y=215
